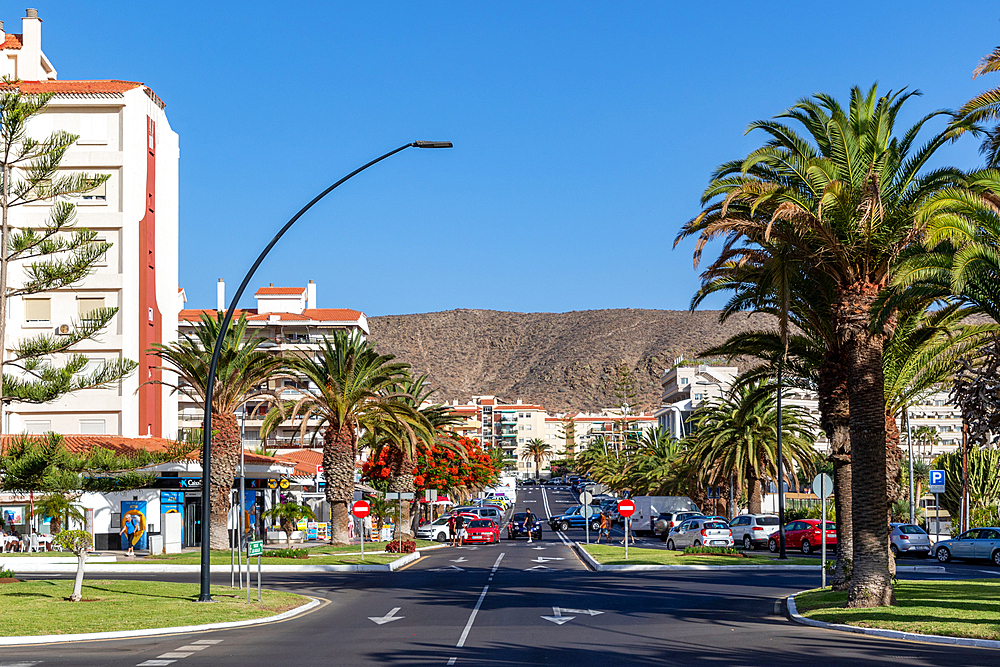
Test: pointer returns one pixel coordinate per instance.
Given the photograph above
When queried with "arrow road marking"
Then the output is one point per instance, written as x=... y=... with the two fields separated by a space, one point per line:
x=588 y=612
x=388 y=618
x=543 y=559
x=557 y=616
x=538 y=548
x=461 y=559
x=449 y=568
x=537 y=567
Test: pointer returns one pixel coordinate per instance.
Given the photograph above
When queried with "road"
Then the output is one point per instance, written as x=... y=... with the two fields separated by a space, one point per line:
x=519 y=604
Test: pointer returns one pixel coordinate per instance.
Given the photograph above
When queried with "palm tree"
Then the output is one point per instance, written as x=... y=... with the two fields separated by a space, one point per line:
x=843 y=202
x=242 y=375
x=983 y=107
x=926 y=437
x=537 y=450
x=351 y=389
x=288 y=516
x=738 y=436
x=653 y=461
x=62 y=510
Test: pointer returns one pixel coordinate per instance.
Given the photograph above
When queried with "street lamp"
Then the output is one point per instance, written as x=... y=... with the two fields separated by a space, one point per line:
x=206 y=492
x=781 y=478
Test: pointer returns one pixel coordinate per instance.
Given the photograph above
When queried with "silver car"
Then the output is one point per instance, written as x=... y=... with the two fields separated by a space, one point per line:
x=668 y=521
x=907 y=539
x=700 y=532
x=753 y=530
x=975 y=544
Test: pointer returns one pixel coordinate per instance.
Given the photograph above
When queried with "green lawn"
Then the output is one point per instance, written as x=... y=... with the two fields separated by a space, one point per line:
x=606 y=554
x=224 y=558
x=356 y=548
x=968 y=608
x=41 y=607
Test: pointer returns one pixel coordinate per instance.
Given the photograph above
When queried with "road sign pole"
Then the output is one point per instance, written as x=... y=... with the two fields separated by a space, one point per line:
x=937 y=520
x=362 y=537
x=258 y=578
x=627 y=521
x=822 y=523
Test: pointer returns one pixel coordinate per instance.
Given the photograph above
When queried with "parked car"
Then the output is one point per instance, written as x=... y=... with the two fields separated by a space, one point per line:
x=974 y=544
x=700 y=532
x=530 y=481
x=435 y=530
x=499 y=498
x=907 y=539
x=753 y=530
x=516 y=529
x=481 y=530
x=648 y=508
x=667 y=521
x=806 y=535
x=572 y=518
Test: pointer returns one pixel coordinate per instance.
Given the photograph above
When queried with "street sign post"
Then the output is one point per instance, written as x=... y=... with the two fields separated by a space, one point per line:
x=626 y=508
x=361 y=509
x=822 y=486
x=254 y=548
x=937 y=488
x=586 y=511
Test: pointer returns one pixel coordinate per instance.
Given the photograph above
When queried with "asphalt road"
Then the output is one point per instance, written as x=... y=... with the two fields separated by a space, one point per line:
x=519 y=604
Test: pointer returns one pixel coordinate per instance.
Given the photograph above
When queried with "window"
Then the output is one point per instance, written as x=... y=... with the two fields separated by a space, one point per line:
x=98 y=194
x=87 y=305
x=684 y=380
x=93 y=129
x=37 y=427
x=698 y=397
x=37 y=310
x=92 y=427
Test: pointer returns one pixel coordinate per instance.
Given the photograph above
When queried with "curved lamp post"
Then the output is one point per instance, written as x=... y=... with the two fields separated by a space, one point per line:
x=206 y=487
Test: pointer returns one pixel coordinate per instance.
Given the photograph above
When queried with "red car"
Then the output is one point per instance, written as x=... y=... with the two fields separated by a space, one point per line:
x=481 y=531
x=805 y=534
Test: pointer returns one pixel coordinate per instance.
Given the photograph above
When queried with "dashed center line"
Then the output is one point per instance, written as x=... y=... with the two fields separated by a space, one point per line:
x=171 y=657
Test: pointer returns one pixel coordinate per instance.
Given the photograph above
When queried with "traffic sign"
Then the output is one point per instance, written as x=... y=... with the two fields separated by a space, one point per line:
x=272 y=483
x=626 y=507
x=391 y=495
x=283 y=483
x=431 y=495
x=937 y=481
x=822 y=485
x=586 y=497
x=361 y=509
x=588 y=511
x=714 y=492
x=255 y=548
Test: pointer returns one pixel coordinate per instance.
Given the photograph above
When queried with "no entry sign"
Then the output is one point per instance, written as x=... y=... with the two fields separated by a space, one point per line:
x=626 y=508
x=361 y=509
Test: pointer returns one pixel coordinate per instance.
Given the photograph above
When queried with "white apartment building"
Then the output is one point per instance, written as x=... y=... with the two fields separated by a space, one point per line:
x=124 y=133
x=293 y=324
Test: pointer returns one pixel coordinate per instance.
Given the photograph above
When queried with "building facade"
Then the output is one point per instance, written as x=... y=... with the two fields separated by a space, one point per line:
x=123 y=133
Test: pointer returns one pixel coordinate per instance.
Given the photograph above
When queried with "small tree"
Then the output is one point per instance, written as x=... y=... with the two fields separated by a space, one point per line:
x=79 y=542
x=288 y=515
x=567 y=431
x=60 y=507
x=537 y=450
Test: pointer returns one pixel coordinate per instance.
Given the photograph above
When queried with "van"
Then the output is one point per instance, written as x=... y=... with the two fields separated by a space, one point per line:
x=482 y=512
x=648 y=508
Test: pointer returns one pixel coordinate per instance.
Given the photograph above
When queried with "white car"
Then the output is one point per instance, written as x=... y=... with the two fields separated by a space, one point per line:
x=753 y=530
x=435 y=530
x=700 y=532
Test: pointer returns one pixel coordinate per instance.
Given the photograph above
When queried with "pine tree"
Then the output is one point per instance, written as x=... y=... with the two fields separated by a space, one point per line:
x=55 y=256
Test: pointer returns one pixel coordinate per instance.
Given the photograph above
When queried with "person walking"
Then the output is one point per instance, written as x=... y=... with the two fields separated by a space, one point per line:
x=529 y=523
x=630 y=536
x=605 y=528
x=452 y=532
x=459 y=528
x=127 y=530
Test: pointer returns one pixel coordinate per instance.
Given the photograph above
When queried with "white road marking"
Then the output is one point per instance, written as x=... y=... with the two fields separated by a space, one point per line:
x=537 y=567
x=530 y=501
x=176 y=654
x=451 y=661
x=479 y=603
x=388 y=618
x=208 y=641
x=156 y=663
x=193 y=647
x=461 y=559
x=448 y=568
x=469 y=548
x=543 y=559
x=19 y=664
x=538 y=548
x=588 y=612
x=557 y=617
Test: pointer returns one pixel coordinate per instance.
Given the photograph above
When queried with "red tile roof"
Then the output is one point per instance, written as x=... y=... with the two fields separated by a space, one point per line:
x=333 y=314
x=116 y=443
x=306 y=461
x=12 y=41
x=109 y=86
x=309 y=314
x=278 y=291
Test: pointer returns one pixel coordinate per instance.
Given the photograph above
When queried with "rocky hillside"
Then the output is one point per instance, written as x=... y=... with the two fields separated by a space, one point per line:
x=564 y=361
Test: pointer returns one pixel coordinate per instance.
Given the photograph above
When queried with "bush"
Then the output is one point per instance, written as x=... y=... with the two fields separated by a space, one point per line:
x=404 y=547
x=713 y=550
x=987 y=515
x=796 y=513
x=6 y=574
x=286 y=553
x=77 y=541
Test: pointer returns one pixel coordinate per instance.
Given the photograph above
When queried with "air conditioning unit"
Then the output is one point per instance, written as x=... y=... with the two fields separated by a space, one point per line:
x=63 y=330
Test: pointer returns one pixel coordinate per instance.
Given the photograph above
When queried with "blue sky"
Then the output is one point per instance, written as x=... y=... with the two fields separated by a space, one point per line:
x=584 y=132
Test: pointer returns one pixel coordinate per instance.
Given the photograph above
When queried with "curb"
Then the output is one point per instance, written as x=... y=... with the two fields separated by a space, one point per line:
x=128 y=634
x=136 y=568
x=594 y=565
x=886 y=634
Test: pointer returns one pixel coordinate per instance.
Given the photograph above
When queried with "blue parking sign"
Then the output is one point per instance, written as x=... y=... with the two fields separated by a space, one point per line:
x=937 y=481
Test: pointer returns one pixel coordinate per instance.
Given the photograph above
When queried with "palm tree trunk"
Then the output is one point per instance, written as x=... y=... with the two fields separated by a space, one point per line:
x=835 y=418
x=225 y=460
x=401 y=481
x=338 y=467
x=871 y=583
x=754 y=495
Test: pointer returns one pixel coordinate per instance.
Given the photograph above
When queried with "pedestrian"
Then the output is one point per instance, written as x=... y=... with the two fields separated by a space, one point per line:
x=529 y=523
x=459 y=528
x=128 y=530
x=630 y=536
x=366 y=530
x=452 y=533
x=605 y=528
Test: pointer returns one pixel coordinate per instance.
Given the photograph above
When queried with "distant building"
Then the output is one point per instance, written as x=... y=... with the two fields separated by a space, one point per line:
x=290 y=319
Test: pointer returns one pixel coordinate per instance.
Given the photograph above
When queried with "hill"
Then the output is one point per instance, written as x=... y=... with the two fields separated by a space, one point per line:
x=563 y=361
